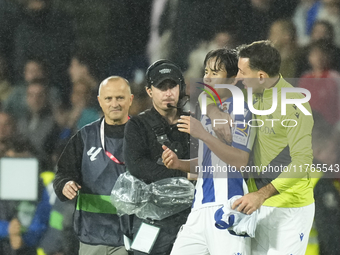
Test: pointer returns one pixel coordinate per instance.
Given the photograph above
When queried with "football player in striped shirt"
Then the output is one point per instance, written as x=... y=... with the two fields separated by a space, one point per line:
x=218 y=163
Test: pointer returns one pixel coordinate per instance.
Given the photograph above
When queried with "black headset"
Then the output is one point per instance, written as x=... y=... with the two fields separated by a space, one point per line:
x=182 y=85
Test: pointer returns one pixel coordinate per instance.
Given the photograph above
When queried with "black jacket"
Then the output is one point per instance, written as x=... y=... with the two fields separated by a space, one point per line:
x=85 y=162
x=142 y=151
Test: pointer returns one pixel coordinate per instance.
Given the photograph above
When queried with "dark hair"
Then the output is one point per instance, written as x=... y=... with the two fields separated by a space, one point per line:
x=327 y=48
x=225 y=59
x=262 y=56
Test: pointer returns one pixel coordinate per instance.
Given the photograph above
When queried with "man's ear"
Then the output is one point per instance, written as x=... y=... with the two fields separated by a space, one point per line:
x=131 y=99
x=262 y=76
x=149 y=91
x=99 y=101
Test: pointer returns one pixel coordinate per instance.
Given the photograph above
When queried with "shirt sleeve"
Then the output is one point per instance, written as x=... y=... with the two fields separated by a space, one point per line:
x=69 y=165
x=137 y=155
x=3 y=228
x=39 y=223
x=299 y=139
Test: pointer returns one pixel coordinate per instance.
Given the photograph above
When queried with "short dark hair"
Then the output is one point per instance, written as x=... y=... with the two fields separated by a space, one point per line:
x=328 y=50
x=225 y=59
x=262 y=56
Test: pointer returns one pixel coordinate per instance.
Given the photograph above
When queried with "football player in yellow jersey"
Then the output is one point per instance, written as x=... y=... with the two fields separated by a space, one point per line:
x=281 y=188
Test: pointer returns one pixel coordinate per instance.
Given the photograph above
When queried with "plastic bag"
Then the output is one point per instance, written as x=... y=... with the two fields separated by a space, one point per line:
x=155 y=201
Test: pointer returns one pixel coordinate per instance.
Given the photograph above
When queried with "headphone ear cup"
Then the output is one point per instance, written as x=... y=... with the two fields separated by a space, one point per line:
x=182 y=91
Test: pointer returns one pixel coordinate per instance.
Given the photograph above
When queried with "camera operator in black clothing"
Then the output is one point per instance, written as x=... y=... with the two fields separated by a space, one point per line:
x=143 y=139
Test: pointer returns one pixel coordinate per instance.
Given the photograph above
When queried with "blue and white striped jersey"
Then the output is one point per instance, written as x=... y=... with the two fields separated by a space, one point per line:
x=218 y=181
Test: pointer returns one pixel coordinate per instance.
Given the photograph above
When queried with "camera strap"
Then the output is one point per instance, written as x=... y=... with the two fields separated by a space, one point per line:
x=157 y=126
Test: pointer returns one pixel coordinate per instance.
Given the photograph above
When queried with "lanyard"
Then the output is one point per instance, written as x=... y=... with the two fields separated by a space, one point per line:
x=109 y=154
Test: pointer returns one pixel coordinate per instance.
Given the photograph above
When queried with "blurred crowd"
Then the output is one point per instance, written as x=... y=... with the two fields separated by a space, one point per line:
x=51 y=67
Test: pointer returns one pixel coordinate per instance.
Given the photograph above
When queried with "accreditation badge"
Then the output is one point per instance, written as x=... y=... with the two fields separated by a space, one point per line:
x=145 y=238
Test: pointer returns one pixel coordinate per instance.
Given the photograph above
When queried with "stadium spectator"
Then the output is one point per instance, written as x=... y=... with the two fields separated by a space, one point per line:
x=321 y=31
x=16 y=105
x=283 y=35
x=38 y=125
x=330 y=11
x=80 y=113
x=304 y=17
x=322 y=82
